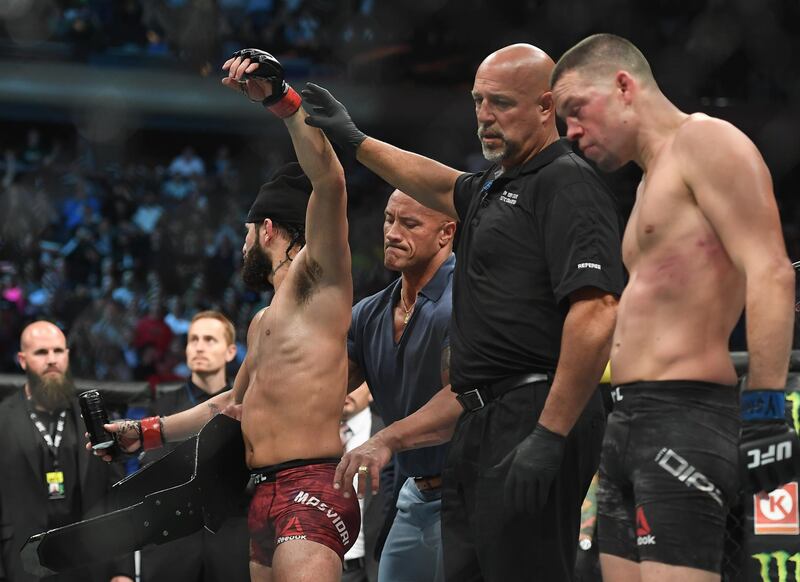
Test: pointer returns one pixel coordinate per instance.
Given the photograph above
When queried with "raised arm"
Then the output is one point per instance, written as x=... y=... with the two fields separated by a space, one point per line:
x=426 y=180
x=260 y=76
x=326 y=218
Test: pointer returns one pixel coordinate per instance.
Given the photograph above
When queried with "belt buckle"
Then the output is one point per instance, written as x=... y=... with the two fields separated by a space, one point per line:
x=472 y=400
x=428 y=483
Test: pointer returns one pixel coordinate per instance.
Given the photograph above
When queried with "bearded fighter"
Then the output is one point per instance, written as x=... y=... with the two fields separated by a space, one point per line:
x=291 y=386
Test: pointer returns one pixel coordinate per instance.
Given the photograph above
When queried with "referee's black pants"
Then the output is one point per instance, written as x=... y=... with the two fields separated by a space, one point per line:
x=484 y=539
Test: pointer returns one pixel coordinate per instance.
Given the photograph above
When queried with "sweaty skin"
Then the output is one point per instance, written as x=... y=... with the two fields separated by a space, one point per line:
x=290 y=389
x=684 y=295
x=296 y=375
x=703 y=242
x=293 y=382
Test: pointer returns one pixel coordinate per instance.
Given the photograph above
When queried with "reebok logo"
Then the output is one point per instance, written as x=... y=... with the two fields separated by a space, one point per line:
x=293 y=527
x=292 y=531
x=282 y=539
x=644 y=537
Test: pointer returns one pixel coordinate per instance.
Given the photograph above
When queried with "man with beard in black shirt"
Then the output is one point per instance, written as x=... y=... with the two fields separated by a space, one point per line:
x=48 y=479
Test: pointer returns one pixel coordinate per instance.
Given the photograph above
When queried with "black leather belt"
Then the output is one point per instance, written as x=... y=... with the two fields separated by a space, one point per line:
x=354 y=564
x=477 y=398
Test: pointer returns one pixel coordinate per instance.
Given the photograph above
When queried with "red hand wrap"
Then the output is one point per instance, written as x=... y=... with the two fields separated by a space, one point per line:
x=288 y=105
x=151 y=433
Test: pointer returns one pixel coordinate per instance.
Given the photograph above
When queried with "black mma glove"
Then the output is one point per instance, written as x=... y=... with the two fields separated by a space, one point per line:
x=284 y=100
x=330 y=116
x=535 y=462
x=769 y=450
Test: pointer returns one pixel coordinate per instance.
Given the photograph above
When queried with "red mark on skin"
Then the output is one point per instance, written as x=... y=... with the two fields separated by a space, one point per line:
x=669 y=263
x=649 y=228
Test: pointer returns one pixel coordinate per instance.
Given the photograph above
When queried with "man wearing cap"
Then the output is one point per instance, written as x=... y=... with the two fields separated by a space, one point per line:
x=291 y=387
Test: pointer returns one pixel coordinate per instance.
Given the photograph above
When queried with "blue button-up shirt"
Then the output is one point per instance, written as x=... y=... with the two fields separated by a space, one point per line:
x=405 y=375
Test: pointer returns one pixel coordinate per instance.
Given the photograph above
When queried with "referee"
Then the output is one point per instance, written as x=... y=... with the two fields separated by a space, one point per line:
x=534 y=303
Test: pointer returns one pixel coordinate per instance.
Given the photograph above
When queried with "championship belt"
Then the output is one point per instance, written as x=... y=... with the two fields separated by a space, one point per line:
x=196 y=485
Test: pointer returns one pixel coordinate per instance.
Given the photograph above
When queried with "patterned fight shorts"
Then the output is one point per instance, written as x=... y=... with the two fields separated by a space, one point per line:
x=296 y=501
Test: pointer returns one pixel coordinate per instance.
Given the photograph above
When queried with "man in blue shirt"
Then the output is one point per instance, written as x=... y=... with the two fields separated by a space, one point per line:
x=398 y=343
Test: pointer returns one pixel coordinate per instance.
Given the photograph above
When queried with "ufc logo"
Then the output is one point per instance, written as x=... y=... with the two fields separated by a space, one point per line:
x=774 y=452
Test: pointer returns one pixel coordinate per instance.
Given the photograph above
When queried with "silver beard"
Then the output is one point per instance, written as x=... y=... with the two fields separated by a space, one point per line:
x=496 y=154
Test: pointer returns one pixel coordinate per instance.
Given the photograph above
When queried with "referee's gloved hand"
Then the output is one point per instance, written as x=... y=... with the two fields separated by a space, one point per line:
x=535 y=462
x=769 y=449
x=330 y=116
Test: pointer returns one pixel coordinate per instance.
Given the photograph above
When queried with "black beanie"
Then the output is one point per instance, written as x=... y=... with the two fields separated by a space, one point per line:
x=284 y=199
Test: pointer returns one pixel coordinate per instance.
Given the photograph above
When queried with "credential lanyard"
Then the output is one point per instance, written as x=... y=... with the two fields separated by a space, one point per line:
x=54 y=441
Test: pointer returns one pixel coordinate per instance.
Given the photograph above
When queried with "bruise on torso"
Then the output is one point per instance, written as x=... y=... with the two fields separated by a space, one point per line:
x=684 y=294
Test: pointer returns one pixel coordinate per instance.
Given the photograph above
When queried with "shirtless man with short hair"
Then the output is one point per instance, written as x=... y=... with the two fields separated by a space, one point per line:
x=292 y=384
x=703 y=242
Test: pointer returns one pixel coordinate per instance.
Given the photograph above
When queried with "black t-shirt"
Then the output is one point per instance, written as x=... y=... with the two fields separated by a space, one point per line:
x=529 y=237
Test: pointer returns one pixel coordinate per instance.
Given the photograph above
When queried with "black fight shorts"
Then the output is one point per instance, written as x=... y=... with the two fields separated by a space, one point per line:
x=668 y=472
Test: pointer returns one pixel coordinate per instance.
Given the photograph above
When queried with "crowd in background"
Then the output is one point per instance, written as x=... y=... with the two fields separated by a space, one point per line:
x=122 y=256
x=121 y=250
x=699 y=48
x=305 y=33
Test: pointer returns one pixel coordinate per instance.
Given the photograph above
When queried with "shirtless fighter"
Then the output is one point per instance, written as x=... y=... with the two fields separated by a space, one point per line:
x=292 y=384
x=703 y=242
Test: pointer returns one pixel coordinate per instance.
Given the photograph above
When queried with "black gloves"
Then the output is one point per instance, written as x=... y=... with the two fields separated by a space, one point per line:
x=535 y=462
x=283 y=101
x=269 y=68
x=330 y=116
x=769 y=450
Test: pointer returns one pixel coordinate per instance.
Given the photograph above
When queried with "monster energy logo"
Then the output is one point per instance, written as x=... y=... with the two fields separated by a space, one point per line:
x=781 y=560
x=794 y=398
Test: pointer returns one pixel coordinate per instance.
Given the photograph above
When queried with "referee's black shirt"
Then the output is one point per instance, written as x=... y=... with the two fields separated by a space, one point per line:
x=528 y=239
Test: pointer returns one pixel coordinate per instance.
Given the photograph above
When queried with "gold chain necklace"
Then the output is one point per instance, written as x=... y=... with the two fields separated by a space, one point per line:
x=406 y=311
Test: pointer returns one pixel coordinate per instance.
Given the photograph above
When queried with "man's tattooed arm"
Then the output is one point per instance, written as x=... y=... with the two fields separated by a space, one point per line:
x=181 y=426
x=128 y=435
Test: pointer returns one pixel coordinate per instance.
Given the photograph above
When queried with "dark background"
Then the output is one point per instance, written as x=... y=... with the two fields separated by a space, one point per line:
x=98 y=97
